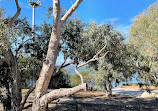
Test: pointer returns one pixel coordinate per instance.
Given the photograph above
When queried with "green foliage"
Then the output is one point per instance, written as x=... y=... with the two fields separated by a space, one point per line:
x=143 y=35
x=118 y=65
x=4 y=31
x=87 y=78
x=29 y=67
x=60 y=80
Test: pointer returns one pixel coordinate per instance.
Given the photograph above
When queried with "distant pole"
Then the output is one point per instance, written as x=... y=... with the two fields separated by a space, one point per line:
x=33 y=21
x=34 y=4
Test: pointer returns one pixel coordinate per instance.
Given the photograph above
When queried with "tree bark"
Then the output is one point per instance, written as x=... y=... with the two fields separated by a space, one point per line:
x=109 y=88
x=79 y=74
x=42 y=98
x=12 y=61
x=106 y=89
x=52 y=53
x=16 y=95
x=41 y=104
x=16 y=88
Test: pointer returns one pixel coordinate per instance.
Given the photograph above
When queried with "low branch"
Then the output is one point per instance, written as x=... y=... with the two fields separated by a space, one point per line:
x=17 y=13
x=61 y=92
x=79 y=75
x=26 y=96
x=70 y=11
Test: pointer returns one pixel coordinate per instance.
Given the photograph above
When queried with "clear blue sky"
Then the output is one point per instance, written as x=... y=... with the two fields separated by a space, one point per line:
x=120 y=12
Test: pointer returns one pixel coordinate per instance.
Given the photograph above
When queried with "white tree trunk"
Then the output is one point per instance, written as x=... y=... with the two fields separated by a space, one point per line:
x=42 y=98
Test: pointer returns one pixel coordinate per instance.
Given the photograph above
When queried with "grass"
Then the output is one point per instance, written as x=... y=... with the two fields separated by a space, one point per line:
x=138 y=85
x=24 y=91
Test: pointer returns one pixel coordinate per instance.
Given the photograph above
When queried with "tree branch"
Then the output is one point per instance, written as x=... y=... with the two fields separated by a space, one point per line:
x=100 y=51
x=17 y=13
x=62 y=64
x=62 y=92
x=93 y=59
x=75 y=61
x=78 y=73
x=26 y=96
x=70 y=11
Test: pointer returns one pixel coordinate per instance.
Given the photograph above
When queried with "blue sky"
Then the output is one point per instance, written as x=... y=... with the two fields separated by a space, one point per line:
x=120 y=12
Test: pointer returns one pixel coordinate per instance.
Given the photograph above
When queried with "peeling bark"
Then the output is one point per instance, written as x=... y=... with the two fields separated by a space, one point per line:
x=48 y=67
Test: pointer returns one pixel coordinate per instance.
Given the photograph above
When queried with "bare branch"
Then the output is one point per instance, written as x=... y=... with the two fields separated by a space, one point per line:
x=17 y=13
x=94 y=59
x=155 y=78
x=70 y=11
x=79 y=75
x=100 y=51
x=75 y=61
x=26 y=96
x=62 y=64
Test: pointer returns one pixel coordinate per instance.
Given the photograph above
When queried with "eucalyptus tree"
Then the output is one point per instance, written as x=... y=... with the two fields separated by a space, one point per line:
x=10 y=30
x=143 y=34
x=120 y=65
x=90 y=51
x=42 y=98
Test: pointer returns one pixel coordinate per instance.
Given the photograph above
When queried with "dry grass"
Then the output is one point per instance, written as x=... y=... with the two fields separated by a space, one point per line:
x=137 y=86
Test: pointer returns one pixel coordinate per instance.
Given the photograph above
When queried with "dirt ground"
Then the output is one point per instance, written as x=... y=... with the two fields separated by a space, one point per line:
x=124 y=99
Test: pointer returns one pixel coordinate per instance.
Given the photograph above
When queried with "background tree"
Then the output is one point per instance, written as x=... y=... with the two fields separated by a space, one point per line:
x=143 y=34
x=60 y=80
x=117 y=66
x=87 y=78
x=9 y=32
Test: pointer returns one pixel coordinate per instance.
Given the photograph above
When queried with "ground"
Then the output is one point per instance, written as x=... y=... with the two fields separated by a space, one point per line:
x=124 y=99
